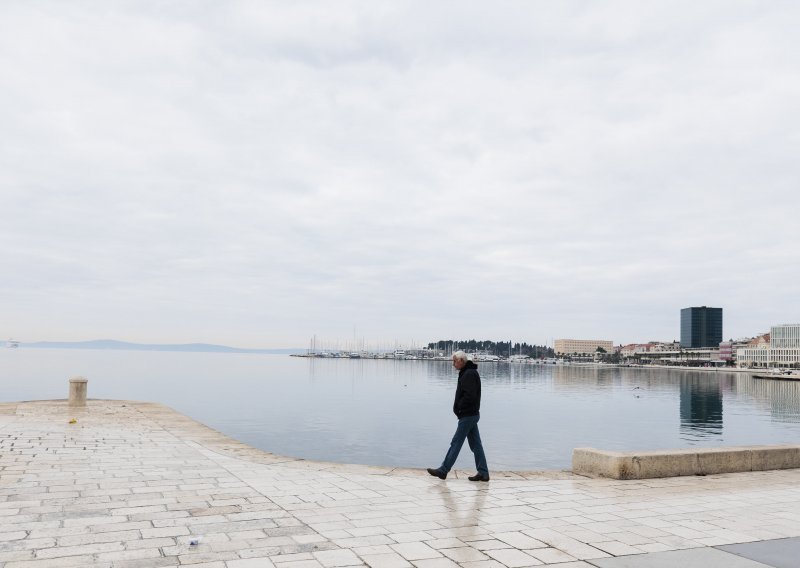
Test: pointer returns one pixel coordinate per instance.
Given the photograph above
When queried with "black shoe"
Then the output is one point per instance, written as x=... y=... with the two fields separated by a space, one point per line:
x=479 y=477
x=437 y=473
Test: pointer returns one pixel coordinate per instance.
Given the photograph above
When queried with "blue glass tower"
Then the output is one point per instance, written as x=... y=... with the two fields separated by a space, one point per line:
x=701 y=327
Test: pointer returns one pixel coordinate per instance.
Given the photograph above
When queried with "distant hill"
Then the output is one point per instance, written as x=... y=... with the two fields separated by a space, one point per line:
x=124 y=345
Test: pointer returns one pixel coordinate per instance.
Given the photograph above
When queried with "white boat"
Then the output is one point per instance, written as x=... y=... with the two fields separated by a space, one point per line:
x=11 y=344
x=785 y=375
x=485 y=358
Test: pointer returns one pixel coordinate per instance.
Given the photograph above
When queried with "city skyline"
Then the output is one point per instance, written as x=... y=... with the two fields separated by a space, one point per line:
x=255 y=174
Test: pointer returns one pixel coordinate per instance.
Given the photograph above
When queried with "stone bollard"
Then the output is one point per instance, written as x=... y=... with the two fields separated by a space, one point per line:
x=77 y=391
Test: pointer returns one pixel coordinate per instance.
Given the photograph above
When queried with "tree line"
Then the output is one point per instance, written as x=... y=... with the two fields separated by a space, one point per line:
x=499 y=348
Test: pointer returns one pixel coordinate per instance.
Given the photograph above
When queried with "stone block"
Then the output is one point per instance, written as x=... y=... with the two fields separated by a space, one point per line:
x=77 y=391
x=673 y=463
x=662 y=463
x=723 y=460
x=775 y=457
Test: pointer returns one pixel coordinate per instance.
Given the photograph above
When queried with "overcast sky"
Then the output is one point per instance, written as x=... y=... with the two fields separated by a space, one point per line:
x=255 y=173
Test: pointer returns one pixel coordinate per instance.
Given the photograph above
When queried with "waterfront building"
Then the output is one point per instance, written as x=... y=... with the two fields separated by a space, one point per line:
x=634 y=348
x=755 y=352
x=701 y=327
x=665 y=345
x=779 y=348
x=726 y=351
x=695 y=357
x=785 y=336
x=745 y=343
x=581 y=346
x=729 y=350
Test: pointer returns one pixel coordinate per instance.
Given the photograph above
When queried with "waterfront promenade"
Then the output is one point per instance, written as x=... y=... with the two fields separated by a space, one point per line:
x=130 y=485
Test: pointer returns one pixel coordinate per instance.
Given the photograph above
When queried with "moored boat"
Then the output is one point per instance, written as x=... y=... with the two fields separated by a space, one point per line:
x=779 y=375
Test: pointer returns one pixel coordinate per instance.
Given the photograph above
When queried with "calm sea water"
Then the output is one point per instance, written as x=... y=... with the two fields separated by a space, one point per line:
x=399 y=412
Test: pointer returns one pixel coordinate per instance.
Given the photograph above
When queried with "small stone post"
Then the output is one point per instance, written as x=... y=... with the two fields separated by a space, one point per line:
x=77 y=391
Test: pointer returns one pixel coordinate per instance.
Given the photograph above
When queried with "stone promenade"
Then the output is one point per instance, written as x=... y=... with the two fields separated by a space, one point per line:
x=132 y=484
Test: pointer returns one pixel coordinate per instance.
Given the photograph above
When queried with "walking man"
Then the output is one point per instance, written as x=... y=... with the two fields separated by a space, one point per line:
x=467 y=407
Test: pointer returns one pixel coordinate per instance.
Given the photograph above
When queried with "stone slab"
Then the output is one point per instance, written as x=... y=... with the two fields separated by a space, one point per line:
x=675 y=463
x=779 y=553
x=690 y=558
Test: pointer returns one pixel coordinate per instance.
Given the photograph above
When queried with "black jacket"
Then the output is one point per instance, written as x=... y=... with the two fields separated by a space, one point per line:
x=468 y=392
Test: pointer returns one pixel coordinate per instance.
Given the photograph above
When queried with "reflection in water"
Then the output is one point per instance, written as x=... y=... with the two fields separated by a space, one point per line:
x=780 y=398
x=463 y=507
x=700 y=408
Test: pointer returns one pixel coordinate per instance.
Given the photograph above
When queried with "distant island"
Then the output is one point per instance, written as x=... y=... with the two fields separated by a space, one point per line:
x=126 y=346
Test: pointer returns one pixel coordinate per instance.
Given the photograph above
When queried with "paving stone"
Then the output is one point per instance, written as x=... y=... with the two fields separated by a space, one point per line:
x=59 y=551
x=391 y=560
x=616 y=548
x=550 y=555
x=164 y=532
x=490 y=544
x=259 y=552
x=513 y=558
x=518 y=540
x=464 y=554
x=481 y=564
x=141 y=553
x=263 y=562
x=415 y=551
x=378 y=549
x=435 y=563
x=443 y=543
x=334 y=558
x=63 y=562
x=92 y=538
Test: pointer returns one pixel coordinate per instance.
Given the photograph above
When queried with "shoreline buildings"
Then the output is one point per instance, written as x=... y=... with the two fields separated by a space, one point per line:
x=780 y=348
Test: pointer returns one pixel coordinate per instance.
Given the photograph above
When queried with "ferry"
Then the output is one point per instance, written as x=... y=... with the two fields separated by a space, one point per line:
x=11 y=344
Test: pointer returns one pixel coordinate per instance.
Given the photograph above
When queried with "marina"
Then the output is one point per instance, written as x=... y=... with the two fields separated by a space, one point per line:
x=422 y=355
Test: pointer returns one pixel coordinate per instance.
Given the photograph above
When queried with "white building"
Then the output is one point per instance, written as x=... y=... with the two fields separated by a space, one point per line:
x=782 y=349
x=581 y=346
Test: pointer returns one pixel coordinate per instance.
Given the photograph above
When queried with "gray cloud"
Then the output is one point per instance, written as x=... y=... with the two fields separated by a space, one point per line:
x=254 y=173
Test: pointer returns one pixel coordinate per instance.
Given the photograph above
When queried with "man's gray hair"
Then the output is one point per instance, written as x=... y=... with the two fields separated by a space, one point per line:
x=460 y=355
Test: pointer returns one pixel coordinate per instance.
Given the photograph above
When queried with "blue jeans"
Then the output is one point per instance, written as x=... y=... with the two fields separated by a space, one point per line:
x=467 y=428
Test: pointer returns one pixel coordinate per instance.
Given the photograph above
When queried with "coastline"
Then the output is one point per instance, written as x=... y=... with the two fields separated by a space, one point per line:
x=193 y=431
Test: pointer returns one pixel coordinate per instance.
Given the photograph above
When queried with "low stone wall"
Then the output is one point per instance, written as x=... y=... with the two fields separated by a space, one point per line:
x=673 y=463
